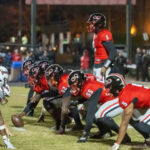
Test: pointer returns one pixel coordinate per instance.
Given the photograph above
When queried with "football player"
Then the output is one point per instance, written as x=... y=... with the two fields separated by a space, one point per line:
x=4 y=93
x=103 y=46
x=39 y=83
x=134 y=99
x=25 y=68
x=58 y=78
x=94 y=92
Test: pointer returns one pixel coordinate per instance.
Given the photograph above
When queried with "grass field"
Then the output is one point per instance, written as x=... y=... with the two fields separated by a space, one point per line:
x=39 y=136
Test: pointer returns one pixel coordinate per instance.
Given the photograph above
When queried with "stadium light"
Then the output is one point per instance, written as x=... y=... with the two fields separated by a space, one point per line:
x=133 y=30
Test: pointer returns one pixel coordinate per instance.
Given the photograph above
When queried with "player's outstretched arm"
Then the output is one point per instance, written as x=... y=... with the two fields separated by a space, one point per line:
x=124 y=124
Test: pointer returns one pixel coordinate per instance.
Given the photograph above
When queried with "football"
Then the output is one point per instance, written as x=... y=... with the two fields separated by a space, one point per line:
x=17 y=121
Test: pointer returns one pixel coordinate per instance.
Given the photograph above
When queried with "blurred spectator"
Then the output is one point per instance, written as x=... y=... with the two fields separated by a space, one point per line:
x=145 y=64
x=36 y=55
x=138 y=62
x=121 y=64
x=51 y=55
x=85 y=60
x=76 y=61
x=16 y=56
x=16 y=65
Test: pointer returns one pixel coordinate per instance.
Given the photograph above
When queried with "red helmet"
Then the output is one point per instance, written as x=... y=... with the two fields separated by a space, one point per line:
x=95 y=22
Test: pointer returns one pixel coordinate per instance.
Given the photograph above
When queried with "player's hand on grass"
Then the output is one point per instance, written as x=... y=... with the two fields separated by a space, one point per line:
x=115 y=147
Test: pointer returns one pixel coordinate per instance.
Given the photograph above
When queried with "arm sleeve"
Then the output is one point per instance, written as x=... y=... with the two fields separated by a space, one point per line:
x=51 y=93
x=91 y=110
x=111 y=50
x=134 y=101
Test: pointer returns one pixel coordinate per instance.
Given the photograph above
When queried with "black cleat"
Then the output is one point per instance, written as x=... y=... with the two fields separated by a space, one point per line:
x=147 y=142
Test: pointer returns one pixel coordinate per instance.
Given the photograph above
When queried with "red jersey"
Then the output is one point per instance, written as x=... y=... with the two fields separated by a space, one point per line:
x=100 y=51
x=131 y=91
x=16 y=57
x=90 y=77
x=42 y=86
x=63 y=82
x=89 y=87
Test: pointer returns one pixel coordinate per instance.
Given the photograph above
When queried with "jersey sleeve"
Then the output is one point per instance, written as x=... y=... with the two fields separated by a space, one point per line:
x=106 y=36
x=124 y=103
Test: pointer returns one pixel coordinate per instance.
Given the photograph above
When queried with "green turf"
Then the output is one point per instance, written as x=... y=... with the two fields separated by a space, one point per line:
x=40 y=137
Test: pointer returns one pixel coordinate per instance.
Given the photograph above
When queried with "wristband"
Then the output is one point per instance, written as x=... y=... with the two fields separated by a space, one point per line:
x=107 y=63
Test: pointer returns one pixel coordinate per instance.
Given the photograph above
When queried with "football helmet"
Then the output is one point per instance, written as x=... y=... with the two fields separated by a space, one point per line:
x=115 y=83
x=35 y=73
x=75 y=81
x=26 y=66
x=95 y=22
x=44 y=64
x=53 y=74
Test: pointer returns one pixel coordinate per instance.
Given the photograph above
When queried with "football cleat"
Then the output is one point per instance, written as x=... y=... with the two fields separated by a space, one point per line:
x=147 y=142
x=8 y=144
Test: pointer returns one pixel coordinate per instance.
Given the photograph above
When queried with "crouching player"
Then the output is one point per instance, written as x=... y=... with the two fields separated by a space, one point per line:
x=4 y=92
x=134 y=99
x=40 y=85
x=94 y=92
x=57 y=78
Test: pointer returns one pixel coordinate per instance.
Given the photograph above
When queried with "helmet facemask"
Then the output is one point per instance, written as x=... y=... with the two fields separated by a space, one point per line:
x=75 y=81
x=26 y=66
x=53 y=74
x=95 y=22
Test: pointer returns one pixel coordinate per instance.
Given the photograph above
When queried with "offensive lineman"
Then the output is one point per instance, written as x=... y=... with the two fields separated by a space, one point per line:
x=134 y=99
